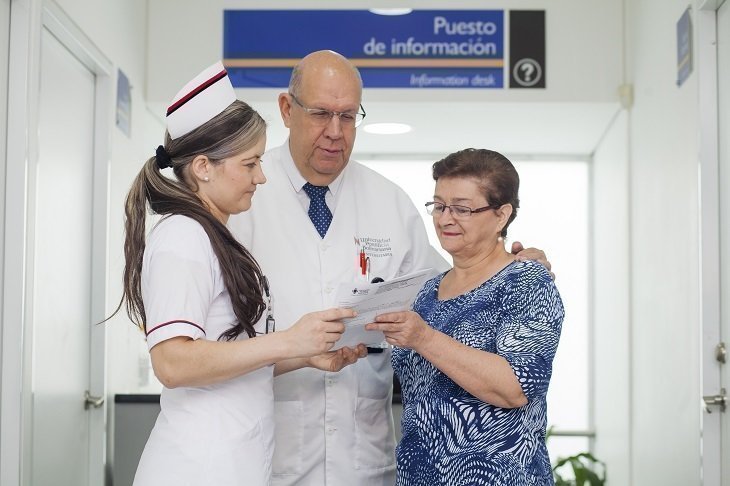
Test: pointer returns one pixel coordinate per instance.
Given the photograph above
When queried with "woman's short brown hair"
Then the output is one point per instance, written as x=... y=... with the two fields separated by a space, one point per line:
x=495 y=174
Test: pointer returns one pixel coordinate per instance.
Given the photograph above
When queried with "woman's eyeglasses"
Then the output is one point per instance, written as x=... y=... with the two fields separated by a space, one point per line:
x=435 y=208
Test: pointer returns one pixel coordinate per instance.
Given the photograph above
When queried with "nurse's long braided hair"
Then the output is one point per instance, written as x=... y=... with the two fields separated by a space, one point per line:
x=238 y=128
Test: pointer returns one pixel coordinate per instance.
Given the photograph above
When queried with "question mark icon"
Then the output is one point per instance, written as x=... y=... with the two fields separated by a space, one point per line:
x=527 y=72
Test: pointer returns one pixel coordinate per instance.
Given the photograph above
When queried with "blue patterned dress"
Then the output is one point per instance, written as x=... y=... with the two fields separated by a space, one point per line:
x=451 y=437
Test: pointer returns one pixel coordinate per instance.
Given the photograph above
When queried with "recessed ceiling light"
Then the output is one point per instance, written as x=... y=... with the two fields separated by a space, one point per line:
x=387 y=128
x=391 y=11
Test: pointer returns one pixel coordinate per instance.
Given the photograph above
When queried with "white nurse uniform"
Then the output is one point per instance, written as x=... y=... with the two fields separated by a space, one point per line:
x=221 y=434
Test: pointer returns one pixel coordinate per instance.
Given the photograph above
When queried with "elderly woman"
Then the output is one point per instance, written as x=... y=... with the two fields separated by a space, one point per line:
x=475 y=356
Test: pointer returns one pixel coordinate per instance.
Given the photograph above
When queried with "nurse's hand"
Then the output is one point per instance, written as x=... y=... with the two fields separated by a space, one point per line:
x=403 y=329
x=336 y=360
x=315 y=333
x=535 y=254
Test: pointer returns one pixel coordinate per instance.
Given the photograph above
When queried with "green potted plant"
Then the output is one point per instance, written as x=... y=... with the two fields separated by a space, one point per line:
x=586 y=469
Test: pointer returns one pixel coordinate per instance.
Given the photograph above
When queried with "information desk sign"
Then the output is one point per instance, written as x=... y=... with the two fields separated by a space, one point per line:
x=422 y=49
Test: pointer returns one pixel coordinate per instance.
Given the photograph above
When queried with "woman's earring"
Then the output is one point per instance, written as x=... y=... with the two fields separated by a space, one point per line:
x=206 y=179
x=500 y=239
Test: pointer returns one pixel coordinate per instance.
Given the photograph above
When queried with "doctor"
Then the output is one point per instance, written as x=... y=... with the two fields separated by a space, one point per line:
x=312 y=219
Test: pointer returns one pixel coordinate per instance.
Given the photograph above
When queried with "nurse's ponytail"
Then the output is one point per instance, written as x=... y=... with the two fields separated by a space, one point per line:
x=236 y=129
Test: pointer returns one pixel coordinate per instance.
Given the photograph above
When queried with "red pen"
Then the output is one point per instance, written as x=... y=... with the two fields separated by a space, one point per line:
x=363 y=263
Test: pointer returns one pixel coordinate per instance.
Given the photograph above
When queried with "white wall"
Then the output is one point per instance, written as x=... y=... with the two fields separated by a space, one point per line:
x=665 y=327
x=119 y=30
x=611 y=378
x=4 y=37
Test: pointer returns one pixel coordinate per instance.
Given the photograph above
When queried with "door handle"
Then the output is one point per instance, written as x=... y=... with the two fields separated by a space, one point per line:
x=92 y=401
x=720 y=400
x=721 y=353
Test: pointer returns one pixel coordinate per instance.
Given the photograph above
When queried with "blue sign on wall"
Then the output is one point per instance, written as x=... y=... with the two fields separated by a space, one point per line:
x=124 y=103
x=684 y=47
x=423 y=49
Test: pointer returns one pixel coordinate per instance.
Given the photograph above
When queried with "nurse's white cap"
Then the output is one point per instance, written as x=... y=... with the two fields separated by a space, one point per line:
x=206 y=96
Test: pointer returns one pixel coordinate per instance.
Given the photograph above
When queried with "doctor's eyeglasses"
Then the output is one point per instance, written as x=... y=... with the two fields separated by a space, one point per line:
x=322 y=117
x=435 y=208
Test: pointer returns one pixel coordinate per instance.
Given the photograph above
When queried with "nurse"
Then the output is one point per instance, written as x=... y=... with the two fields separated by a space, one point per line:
x=201 y=299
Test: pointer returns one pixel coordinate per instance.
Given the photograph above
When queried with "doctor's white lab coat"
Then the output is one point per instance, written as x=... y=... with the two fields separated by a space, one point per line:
x=332 y=428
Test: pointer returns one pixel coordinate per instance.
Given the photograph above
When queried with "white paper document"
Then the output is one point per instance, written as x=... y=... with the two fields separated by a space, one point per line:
x=371 y=300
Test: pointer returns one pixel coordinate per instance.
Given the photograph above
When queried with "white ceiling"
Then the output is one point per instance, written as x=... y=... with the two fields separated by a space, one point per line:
x=513 y=128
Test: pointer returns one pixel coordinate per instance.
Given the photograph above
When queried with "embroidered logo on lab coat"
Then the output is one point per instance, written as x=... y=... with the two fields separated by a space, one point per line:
x=376 y=247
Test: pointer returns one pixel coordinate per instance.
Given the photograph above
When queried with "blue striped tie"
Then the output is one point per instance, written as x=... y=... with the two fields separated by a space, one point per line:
x=319 y=213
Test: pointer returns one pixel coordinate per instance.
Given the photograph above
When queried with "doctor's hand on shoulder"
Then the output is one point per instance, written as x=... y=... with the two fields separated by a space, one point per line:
x=535 y=254
x=315 y=333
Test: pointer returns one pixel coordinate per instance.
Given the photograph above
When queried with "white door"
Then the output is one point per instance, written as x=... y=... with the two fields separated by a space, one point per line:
x=723 y=82
x=714 y=96
x=4 y=34
x=60 y=271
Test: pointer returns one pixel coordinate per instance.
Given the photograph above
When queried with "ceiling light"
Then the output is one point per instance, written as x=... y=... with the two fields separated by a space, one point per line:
x=391 y=11
x=387 y=128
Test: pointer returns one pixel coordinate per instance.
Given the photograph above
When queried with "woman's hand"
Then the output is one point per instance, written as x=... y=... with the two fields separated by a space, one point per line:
x=315 y=333
x=334 y=361
x=404 y=329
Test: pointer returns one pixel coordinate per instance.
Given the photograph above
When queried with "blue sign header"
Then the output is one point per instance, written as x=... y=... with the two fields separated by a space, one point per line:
x=423 y=49
x=684 y=47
